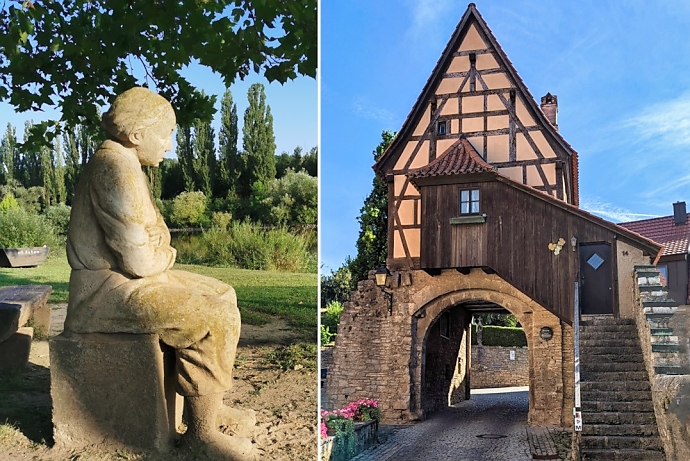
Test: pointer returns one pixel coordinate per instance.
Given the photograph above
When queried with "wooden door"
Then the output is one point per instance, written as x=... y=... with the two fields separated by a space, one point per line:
x=596 y=279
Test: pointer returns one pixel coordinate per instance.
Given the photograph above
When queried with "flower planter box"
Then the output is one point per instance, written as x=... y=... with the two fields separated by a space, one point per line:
x=23 y=257
x=366 y=435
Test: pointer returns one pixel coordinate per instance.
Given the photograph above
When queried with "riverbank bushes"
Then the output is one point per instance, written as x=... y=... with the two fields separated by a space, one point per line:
x=247 y=246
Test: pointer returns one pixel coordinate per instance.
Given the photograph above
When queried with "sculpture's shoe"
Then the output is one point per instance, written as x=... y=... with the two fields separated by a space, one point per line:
x=218 y=446
x=237 y=421
x=229 y=416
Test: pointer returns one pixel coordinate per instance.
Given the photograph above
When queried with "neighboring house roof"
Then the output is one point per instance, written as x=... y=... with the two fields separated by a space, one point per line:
x=386 y=161
x=675 y=239
x=460 y=158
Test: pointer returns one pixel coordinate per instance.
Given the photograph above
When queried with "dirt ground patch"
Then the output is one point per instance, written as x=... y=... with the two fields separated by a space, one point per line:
x=283 y=392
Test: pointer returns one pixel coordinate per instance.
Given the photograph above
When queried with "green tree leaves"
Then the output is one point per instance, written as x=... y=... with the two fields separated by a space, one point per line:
x=76 y=55
x=372 y=243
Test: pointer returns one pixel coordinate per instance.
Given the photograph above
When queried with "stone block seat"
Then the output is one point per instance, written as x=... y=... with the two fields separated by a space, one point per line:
x=114 y=389
x=19 y=305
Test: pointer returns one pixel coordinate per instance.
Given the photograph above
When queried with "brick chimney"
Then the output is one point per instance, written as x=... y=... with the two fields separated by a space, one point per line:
x=549 y=105
x=680 y=215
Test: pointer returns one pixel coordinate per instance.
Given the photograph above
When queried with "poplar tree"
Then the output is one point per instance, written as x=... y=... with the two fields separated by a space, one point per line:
x=79 y=146
x=258 y=141
x=154 y=176
x=28 y=164
x=71 y=164
x=372 y=243
x=204 y=156
x=60 y=190
x=229 y=158
x=7 y=154
x=48 y=177
x=185 y=155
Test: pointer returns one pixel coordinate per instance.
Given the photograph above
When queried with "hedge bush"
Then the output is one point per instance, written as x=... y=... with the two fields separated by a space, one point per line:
x=493 y=335
x=19 y=228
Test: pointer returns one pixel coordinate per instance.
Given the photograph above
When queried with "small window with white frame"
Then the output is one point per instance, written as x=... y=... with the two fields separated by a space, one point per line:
x=469 y=201
x=441 y=128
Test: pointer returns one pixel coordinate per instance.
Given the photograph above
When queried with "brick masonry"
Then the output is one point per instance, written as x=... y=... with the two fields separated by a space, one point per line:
x=384 y=356
x=492 y=367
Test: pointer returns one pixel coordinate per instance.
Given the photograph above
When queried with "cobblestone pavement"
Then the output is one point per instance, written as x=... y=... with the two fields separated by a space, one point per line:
x=452 y=434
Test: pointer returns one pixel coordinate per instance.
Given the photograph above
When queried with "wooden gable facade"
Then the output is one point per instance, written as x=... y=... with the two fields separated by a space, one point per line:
x=479 y=177
x=474 y=92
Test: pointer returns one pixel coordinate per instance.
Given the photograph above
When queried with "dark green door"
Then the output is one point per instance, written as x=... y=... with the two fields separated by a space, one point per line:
x=596 y=279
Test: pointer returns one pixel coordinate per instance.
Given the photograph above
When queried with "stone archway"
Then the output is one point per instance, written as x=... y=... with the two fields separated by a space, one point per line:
x=550 y=361
x=379 y=350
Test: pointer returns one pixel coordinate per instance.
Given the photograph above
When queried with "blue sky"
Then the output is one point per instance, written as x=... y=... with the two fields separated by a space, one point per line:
x=621 y=71
x=293 y=106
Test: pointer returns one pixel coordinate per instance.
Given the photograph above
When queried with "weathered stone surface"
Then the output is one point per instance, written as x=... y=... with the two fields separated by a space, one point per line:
x=9 y=319
x=15 y=350
x=42 y=318
x=111 y=388
x=118 y=247
x=19 y=303
x=672 y=407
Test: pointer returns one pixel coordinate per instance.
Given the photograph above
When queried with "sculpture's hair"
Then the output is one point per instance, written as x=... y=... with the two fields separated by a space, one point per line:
x=134 y=110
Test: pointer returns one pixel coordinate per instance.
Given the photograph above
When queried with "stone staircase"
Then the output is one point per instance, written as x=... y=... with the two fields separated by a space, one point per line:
x=617 y=409
x=658 y=310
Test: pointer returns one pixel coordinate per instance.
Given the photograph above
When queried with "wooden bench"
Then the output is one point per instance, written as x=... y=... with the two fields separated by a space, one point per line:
x=18 y=305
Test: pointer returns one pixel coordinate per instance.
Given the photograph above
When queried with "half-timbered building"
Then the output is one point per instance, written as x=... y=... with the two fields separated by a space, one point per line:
x=482 y=216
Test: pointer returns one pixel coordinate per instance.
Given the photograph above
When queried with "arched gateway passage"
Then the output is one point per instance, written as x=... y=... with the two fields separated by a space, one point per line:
x=441 y=344
x=387 y=351
x=447 y=352
x=443 y=335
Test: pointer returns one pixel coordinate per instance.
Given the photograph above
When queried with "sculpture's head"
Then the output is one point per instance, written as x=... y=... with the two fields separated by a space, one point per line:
x=143 y=120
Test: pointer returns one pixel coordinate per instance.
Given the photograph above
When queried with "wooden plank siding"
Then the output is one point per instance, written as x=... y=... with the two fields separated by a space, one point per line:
x=513 y=241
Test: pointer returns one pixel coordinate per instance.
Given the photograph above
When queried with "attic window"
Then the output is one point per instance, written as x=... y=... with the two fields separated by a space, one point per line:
x=441 y=128
x=469 y=201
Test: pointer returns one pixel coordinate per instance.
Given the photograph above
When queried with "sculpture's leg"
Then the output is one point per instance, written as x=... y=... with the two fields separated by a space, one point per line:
x=203 y=435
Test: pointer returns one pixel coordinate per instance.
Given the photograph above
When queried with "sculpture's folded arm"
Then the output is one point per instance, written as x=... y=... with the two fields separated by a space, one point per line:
x=122 y=205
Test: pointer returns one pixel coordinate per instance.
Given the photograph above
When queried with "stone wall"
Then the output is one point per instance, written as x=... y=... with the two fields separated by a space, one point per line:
x=326 y=357
x=382 y=356
x=492 y=367
x=371 y=356
x=670 y=393
x=446 y=357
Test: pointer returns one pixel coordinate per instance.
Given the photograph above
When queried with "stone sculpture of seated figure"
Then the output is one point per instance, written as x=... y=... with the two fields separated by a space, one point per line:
x=118 y=247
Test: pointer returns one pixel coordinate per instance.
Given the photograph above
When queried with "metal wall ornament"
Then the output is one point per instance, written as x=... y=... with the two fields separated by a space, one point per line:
x=546 y=333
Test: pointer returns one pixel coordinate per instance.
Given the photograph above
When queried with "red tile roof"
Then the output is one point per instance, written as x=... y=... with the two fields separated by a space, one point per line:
x=460 y=158
x=675 y=239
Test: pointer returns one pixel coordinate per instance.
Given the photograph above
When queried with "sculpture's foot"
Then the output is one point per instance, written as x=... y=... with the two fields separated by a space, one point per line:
x=229 y=416
x=217 y=446
x=204 y=439
x=238 y=421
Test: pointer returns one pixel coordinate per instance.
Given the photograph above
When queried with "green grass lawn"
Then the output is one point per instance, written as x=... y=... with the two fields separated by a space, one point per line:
x=260 y=294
